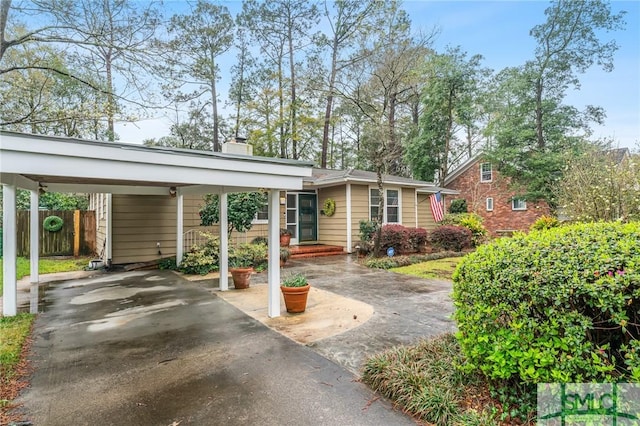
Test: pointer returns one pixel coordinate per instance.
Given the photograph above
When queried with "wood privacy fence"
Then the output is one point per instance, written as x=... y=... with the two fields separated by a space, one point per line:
x=76 y=238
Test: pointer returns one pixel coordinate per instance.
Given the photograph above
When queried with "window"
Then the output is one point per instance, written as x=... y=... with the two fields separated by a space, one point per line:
x=518 y=204
x=485 y=172
x=392 y=205
x=262 y=216
x=489 y=204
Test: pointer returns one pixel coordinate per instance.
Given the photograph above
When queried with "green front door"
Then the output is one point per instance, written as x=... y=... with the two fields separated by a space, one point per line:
x=307 y=217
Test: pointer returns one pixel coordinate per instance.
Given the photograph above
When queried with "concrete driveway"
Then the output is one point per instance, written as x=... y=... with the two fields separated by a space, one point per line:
x=150 y=348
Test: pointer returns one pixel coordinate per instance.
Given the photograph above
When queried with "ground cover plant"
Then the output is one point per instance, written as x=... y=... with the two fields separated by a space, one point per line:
x=14 y=337
x=440 y=268
x=558 y=305
x=398 y=261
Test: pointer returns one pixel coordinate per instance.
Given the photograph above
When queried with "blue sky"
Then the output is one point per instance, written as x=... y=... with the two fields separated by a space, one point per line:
x=499 y=31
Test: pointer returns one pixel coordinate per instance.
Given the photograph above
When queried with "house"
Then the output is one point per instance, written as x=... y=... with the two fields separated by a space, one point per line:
x=488 y=194
x=143 y=226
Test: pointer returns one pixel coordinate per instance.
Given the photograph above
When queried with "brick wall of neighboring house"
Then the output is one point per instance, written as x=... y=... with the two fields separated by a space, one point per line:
x=503 y=217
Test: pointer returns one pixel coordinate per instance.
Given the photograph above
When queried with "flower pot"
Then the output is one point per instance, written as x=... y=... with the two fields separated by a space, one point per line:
x=285 y=240
x=241 y=277
x=295 y=298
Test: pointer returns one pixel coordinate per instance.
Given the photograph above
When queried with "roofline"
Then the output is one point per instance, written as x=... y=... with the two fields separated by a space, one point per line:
x=165 y=150
x=463 y=168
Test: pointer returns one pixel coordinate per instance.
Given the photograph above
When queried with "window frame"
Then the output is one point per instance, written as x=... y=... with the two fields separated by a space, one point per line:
x=513 y=204
x=489 y=201
x=482 y=173
x=256 y=220
x=386 y=205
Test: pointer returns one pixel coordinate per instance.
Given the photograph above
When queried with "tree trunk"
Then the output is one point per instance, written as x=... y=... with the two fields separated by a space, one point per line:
x=214 y=103
x=294 y=126
x=539 y=133
x=328 y=109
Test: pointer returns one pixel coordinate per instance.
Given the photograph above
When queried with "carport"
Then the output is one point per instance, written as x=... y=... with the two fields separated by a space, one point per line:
x=58 y=164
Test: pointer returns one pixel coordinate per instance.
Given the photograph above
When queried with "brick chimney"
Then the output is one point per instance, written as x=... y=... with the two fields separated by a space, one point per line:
x=237 y=145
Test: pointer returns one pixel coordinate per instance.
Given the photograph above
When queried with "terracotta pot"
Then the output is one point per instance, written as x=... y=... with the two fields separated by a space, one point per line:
x=295 y=298
x=241 y=277
x=285 y=240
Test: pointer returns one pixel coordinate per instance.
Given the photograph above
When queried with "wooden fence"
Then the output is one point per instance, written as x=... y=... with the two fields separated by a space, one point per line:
x=76 y=238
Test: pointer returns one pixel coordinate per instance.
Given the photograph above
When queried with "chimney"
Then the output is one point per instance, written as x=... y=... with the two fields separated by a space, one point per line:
x=237 y=145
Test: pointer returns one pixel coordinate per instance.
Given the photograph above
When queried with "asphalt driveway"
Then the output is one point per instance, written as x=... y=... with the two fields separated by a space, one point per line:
x=150 y=348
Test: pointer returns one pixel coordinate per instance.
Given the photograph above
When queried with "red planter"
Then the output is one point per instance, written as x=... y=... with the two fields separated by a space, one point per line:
x=295 y=298
x=285 y=240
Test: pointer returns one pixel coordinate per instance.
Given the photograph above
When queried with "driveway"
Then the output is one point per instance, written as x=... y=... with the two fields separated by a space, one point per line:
x=151 y=348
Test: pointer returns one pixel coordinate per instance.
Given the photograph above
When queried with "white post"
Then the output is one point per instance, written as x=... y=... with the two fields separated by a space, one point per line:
x=34 y=237
x=349 y=225
x=274 y=254
x=224 y=243
x=109 y=230
x=180 y=228
x=9 y=249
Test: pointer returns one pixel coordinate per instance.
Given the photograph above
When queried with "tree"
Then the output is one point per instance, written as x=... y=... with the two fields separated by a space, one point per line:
x=449 y=111
x=242 y=209
x=601 y=185
x=198 y=39
x=531 y=129
x=195 y=133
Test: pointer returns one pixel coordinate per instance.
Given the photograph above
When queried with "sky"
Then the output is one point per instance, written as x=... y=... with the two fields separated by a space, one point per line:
x=499 y=31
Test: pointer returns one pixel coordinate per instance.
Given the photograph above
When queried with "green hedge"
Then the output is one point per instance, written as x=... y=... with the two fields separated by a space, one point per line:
x=560 y=305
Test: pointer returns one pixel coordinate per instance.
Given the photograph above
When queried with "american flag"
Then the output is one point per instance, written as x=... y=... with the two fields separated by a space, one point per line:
x=436 y=206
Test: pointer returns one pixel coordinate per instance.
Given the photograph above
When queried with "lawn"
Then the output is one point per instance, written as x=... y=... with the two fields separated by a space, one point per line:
x=48 y=266
x=439 y=269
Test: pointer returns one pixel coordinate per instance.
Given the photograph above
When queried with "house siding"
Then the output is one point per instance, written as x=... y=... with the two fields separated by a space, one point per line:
x=408 y=207
x=425 y=217
x=333 y=230
x=502 y=218
x=359 y=209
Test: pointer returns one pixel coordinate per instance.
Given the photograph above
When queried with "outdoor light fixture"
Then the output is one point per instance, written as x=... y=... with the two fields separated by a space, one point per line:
x=172 y=191
x=41 y=189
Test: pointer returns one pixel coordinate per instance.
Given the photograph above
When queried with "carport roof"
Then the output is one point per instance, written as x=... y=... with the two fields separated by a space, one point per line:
x=74 y=165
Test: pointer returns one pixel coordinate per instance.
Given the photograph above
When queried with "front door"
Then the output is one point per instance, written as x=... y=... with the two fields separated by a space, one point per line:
x=307 y=217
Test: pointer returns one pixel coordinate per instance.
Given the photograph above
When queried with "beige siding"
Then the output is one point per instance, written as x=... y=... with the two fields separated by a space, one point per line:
x=140 y=222
x=359 y=209
x=333 y=230
x=409 y=207
x=425 y=217
x=98 y=203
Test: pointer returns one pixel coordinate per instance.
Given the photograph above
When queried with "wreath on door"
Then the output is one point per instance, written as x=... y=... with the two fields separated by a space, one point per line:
x=329 y=207
x=52 y=223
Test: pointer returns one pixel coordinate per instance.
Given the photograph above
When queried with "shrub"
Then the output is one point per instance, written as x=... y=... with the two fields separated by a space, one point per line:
x=458 y=206
x=472 y=222
x=562 y=305
x=396 y=261
x=450 y=237
x=368 y=229
x=202 y=259
x=417 y=238
x=545 y=222
x=248 y=255
x=260 y=240
x=394 y=236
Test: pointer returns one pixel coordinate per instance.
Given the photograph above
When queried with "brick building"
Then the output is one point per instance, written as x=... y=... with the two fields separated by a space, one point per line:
x=488 y=194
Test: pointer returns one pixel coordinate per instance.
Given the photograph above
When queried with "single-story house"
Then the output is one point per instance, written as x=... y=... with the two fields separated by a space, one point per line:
x=490 y=195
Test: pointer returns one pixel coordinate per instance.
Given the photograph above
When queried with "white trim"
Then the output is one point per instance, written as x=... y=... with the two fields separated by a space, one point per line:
x=224 y=243
x=34 y=237
x=415 y=200
x=9 y=247
x=179 y=226
x=273 y=271
x=489 y=204
x=17 y=180
x=349 y=224
x=386 y=205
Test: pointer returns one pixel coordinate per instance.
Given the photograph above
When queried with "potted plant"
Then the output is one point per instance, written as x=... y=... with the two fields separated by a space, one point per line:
x=295 y=289
x=285 y=237
x=284 y=255
x=243 y=260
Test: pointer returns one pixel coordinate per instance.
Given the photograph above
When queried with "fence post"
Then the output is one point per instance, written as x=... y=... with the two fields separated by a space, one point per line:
x=76 y=233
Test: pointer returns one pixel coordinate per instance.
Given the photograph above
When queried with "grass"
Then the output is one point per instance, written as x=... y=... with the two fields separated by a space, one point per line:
x=14 y=332
x=47 y=266
x=440 y=269
x=426 y=381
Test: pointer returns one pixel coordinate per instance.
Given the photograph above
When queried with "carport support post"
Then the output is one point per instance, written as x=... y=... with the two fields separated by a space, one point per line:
x=34 y=237
x=9 y=248
x=180 y=228
x=274 y=254
x=224 y=243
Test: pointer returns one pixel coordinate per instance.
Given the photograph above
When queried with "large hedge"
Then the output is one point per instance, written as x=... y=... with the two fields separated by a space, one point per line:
x=559 y=305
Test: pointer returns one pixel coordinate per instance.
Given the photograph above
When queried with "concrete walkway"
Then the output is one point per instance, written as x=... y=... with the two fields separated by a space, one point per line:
x=152 y=348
